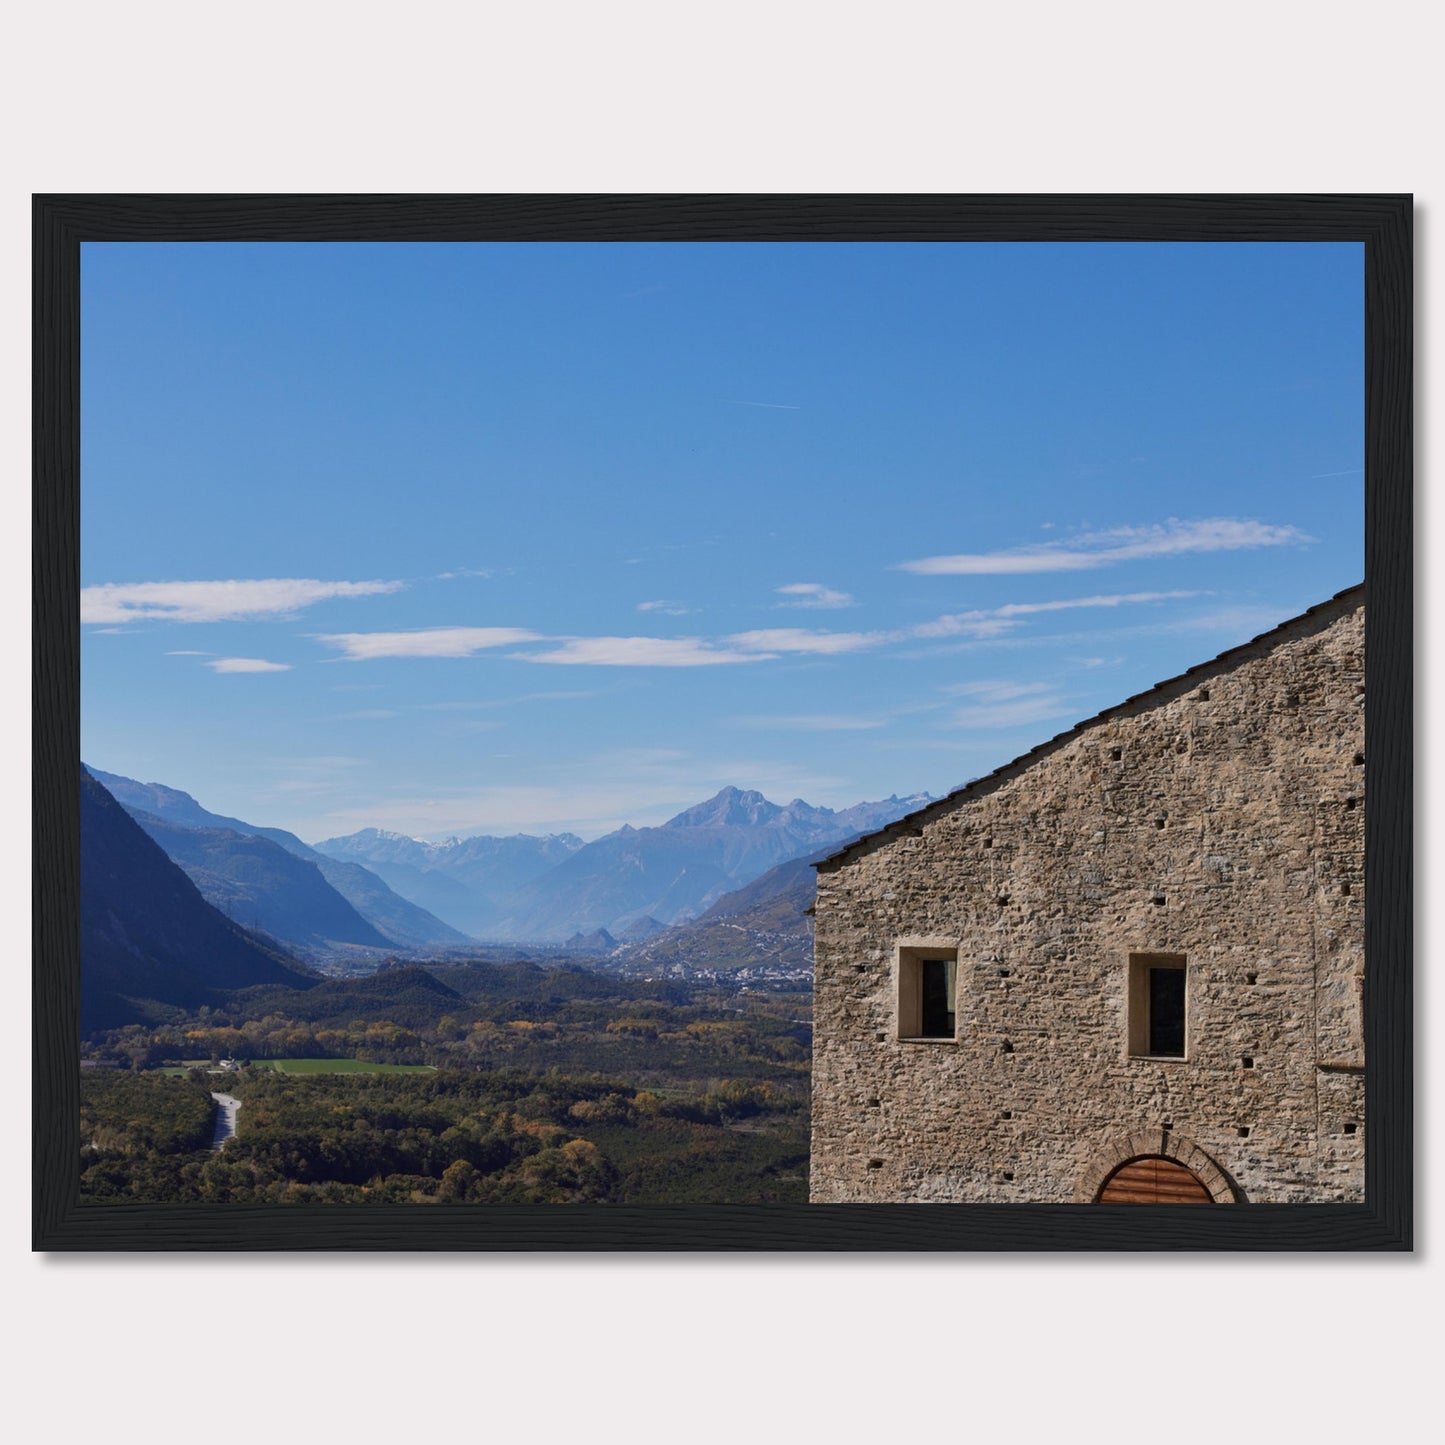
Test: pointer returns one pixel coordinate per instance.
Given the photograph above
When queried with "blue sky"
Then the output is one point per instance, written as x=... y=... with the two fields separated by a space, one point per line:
x=501 y=538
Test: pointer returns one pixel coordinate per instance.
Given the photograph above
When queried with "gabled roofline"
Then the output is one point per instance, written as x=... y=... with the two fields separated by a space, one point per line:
x=909 y=824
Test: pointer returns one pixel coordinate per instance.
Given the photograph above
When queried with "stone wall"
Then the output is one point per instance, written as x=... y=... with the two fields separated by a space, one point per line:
x=1219 y=817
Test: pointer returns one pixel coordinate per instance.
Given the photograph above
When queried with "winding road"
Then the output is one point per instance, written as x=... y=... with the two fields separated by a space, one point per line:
x=225 y=1119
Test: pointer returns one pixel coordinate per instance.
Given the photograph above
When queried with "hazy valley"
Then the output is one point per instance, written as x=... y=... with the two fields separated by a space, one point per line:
x=723 y=885
x=483 y=1019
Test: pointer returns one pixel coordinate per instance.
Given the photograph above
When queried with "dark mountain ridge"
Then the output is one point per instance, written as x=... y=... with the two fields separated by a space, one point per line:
x=148 y=939
x=386 y=919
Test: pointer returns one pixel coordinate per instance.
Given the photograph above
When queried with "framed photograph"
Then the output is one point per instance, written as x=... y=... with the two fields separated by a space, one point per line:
x=734 y=722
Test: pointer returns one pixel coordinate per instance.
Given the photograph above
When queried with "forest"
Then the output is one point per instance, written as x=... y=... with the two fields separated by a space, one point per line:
x=544 y=1086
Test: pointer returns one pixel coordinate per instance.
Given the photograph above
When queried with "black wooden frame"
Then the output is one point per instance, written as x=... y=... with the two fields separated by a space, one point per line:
x=1381 y=222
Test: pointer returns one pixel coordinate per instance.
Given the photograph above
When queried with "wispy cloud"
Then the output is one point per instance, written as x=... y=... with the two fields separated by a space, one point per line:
x=999 y=704
x=979 y=624
x=183 y=652
x=246 y=664
x=753 y=646
x=310 y=777
x=769 y=405
x=813 y=723
x=425 y=642
x=462 y=572
x=365 y=715
x=1120 y=544
x=319 y=762
x=769 y=640
x=812 y=594
x=994 y=689
x=641 y=652
x=118 y=602
x=670 y=609
x=493 y=702
x=1243 y=622
x=1112 y=599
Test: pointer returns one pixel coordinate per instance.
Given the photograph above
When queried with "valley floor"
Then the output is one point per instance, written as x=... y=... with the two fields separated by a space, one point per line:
x=464 y=1084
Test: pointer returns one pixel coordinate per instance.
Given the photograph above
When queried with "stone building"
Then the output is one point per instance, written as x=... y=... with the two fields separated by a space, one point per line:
x=1127 y=966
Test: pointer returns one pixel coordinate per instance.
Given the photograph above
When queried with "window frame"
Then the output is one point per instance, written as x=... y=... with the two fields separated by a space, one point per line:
x=910 y=954
x=1139 y=1023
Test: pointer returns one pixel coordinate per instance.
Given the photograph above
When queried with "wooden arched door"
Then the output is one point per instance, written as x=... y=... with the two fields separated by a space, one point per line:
x=1153 y=1179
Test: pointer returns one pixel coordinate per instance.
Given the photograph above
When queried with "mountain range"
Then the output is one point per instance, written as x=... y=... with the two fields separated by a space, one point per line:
x=467 y=881
x=722 y=884
x=626 y=883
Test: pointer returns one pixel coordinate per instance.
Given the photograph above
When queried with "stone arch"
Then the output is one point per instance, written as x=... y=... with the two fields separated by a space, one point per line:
x=1164 y=1143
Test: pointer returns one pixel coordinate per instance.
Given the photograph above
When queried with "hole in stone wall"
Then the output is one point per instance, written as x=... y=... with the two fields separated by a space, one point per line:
x=1251 y=978
x=1203 y=694
x=1008 y=1174
x=875 y=1163
x=988 y=842
x=1008 y=1048
x=1292 y=700
x=1158 y=900
x=1008 y=1114
x=1004 y=973
x=1349 y=805
x=1158 y=822
x=1350 y=1128
x=1345 y=889
x=1244 y=1131
x=1247 y=1062
x=1003 y=900
x=1117 y=754
x=1359 y=760
x=874 y=1103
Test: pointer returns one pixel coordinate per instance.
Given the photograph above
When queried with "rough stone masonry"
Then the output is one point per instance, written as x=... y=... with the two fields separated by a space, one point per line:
x=1214 y=824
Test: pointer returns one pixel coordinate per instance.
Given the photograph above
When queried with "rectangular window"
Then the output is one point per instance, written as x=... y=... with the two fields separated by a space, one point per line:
x=939 y=983
x=1158 y=1006
x=927 y=992
x=1166 y=1012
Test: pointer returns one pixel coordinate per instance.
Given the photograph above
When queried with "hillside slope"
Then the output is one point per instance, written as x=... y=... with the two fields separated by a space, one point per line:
x=763 y=925
x=400 y=921
x=147 y=937
x=260 y=885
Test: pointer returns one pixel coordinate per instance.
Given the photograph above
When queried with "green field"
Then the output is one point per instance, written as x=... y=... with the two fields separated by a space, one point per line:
x=313 y=1066
x=338 y=1066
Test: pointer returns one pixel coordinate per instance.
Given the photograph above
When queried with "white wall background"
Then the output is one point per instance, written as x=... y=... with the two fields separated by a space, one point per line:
x=792 y=95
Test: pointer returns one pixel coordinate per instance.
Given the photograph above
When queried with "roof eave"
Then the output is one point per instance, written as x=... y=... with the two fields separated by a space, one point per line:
x=912 y=822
